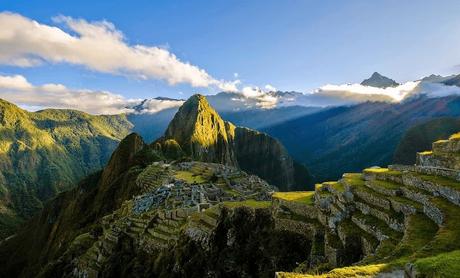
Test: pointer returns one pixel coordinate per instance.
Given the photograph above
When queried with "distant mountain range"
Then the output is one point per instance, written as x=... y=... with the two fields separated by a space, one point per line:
x=346 y=139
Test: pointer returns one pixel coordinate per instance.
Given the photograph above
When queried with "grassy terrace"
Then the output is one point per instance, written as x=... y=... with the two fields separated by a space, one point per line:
x=359 y=185
x=304 y=197
x=335 y=185
x=354 y=179
x=350 y=228
x=442 y=265
x=455 y=136
x=372 y=221
x=426 y=153
x=351 y=271
x=382 y=171
x=386 y=184
x=248 y=203
x=190 y=177
x=448 y=236
x=393 y=214
x=443 y=181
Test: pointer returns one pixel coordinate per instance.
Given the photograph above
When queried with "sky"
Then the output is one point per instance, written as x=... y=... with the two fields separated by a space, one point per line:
x=122 y=51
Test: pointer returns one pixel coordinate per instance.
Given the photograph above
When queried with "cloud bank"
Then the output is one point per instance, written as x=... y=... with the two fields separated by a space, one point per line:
x=18 y=90
x=98 y=46
x=335 y=95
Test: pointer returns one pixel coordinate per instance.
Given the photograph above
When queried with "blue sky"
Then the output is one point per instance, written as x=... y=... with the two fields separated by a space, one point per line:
x=292 y=45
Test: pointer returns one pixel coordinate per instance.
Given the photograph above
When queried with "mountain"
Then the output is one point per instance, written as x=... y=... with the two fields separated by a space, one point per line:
x=201 y=132
x=379 y=81
x=451 y=80
x=346 y=139
x=140 y=217
x=198 y=131
x=46 y=152
x=261 y=118
x=419 y=138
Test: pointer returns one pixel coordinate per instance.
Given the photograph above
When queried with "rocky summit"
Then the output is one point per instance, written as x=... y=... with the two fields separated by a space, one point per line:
x=379 y=81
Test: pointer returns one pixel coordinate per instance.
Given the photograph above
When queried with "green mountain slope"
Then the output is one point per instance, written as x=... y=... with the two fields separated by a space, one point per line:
x=420 y=137
x=347 y=139
x=47 y=152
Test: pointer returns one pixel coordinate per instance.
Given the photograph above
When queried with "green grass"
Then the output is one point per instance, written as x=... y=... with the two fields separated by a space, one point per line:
x=426 y=153
x=440 y=181
x=304 y=197
x=350 y=228
x=420 y=231
x=382 y=171
x=248 y=203
x=448 y=236
x=190 y=177
x=442 y=265
x=455 y=136
x=386 y=184
x=381 y=225
x=335 y=185
x=354 y=179
x=350 y=271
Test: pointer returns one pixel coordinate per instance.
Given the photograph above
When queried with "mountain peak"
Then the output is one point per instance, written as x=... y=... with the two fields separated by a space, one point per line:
x=379 y=81
x=201 y=132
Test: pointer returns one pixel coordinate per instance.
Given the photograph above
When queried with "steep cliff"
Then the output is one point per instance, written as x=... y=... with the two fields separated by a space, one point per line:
x=202 y=133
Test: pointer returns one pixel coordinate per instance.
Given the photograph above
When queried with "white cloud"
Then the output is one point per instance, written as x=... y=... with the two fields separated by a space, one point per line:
x=270 y=88
x=98 y=46
x=18 y=90
x=157 y=105
x=356 y=92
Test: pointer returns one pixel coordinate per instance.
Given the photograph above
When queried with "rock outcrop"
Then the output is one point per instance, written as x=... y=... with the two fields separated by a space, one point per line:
x=379 y=81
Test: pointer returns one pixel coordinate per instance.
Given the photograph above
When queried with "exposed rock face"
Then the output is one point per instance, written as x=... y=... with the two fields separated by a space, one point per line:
x=263 y=155
x=202 y=134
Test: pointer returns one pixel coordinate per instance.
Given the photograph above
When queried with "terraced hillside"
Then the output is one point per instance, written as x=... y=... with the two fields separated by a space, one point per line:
x=400 y=221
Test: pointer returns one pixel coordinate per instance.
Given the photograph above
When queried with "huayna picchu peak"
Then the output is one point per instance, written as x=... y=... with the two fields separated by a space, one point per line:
x=202 y=133
x=197 y=131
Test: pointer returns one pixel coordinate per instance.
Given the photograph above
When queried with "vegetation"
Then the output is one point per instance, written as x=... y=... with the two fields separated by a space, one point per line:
x=304 y=197
x=49 y=151
x=351 y=271
x=189 y=177
x=442 y=265
x=420 y=138
x=248 y=203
